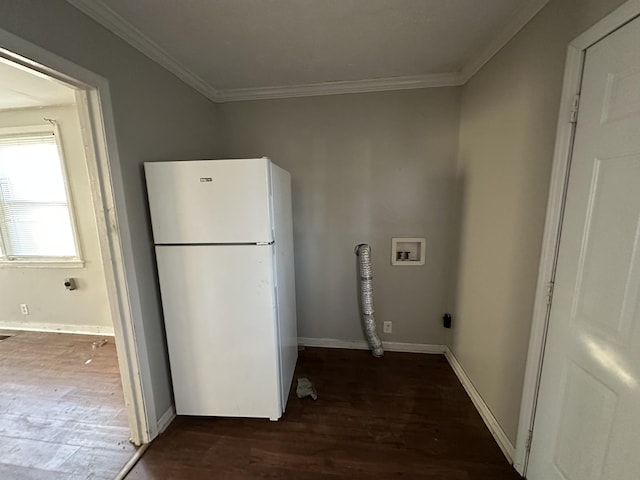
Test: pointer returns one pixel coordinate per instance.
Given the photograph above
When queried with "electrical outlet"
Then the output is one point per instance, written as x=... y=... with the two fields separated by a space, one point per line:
x=387 y=327
x=24 y=309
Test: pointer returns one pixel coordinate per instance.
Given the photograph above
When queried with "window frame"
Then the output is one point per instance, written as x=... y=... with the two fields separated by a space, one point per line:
x=51 y=127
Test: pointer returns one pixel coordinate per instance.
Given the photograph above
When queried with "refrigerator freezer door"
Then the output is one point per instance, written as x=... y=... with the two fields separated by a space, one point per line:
x=210 y=201
x=219 y=312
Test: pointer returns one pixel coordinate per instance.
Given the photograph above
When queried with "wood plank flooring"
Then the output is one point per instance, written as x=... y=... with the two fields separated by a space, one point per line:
x=403 y=416
x=61 y=415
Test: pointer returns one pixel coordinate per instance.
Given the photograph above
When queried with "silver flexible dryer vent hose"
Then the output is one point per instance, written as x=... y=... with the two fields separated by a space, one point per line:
x=366 y=299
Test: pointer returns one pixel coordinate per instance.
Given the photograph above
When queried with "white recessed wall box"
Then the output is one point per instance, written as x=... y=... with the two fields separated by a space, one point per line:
x=408 y=251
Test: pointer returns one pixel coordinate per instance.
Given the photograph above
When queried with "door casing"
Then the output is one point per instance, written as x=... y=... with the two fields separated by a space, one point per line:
x=553 y=224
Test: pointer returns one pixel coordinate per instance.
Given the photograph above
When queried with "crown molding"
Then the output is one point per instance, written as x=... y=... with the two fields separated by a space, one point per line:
x=111 y=20
x=349 y=86
x=516 y=23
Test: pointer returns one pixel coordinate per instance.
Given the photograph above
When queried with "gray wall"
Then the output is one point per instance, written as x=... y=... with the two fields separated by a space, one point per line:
x=365 y=168
x=508 y=122
x=156 y=117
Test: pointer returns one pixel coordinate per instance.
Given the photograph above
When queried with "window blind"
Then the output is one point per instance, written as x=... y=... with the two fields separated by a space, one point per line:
x=35 y=220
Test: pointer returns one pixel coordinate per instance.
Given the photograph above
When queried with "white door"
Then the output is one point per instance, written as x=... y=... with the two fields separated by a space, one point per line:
x=210 y=201
x=219 y=313
x=587 y=423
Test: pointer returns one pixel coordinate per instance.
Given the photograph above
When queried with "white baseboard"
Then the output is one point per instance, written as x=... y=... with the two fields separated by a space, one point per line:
x=362 y=345
x=59 y=328
x=492 y=424
x=165 y=420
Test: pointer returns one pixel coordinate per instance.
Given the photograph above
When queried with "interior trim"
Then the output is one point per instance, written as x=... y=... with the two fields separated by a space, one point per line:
x=107 y=17
x=165 y=420
x=349 y=86
x=489 y=419
x=59 y=328
x=362 y=345
x=486 y=53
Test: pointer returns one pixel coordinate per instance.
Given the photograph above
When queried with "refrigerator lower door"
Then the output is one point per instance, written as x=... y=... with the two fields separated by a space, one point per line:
x=220 y=320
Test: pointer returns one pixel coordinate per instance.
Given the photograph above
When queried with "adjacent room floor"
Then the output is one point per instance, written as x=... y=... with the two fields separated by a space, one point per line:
x=403 y=416
x=62 y=413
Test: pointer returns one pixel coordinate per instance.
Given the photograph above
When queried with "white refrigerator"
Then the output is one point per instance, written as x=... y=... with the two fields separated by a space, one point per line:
x=224 y=247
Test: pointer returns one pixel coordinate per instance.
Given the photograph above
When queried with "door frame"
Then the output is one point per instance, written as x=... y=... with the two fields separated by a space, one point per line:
x=553 y=224
x=103 y=163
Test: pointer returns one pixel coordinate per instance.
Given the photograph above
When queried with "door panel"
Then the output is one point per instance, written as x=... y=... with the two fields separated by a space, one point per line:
x=607 y=280
x=587 y=424
x=583 y=397
x=209 y=201
x=622 y=98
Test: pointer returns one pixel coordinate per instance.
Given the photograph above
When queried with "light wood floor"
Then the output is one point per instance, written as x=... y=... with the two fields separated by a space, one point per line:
x=405 y=416
x=61 y=417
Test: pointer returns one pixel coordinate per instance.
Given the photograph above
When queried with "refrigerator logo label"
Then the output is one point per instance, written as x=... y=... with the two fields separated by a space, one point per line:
x=206 y=179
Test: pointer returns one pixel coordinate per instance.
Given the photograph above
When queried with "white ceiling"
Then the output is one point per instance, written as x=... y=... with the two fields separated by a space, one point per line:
x=20 y=88
x=240 y=49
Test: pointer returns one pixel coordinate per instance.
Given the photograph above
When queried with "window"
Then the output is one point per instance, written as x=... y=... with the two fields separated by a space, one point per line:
x=36 y=224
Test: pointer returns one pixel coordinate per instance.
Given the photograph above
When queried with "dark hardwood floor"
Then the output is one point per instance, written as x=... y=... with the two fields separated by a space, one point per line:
x=404 y=416
x=61 y=417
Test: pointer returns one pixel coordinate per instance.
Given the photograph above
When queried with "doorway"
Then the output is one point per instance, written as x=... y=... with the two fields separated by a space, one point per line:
x=96 y=117
x=63 y=409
